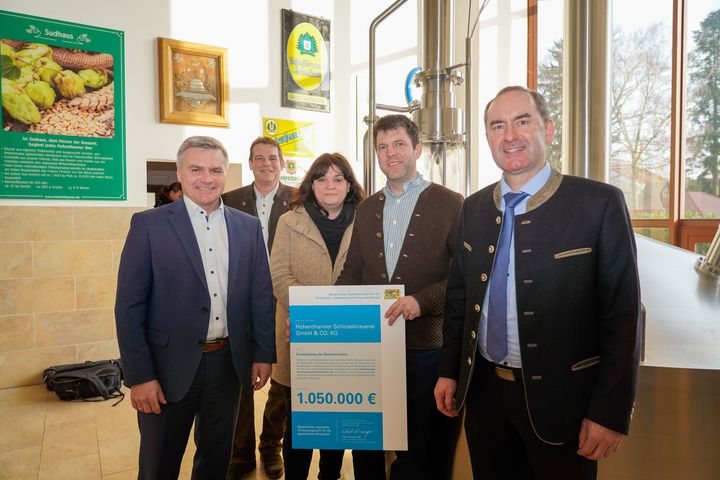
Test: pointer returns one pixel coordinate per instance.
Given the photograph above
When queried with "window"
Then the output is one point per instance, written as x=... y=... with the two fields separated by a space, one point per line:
x=702 y=132
x=550 y=69
x=665 y=110
x=641 y=105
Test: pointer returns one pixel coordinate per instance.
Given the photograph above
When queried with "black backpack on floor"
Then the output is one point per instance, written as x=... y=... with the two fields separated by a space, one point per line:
x=86 y=381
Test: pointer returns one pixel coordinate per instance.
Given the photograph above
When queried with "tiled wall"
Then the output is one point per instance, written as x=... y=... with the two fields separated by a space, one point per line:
x=58 y=269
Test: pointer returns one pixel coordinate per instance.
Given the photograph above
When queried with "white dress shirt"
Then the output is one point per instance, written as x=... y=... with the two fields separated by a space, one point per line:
x=263 y=207
x=212 y=238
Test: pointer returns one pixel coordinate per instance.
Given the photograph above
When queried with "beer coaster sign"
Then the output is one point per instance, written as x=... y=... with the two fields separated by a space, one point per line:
x=306 y=62
x=297 y=141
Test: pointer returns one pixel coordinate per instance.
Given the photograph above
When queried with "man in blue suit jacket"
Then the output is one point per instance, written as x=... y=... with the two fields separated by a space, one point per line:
x=195 y=317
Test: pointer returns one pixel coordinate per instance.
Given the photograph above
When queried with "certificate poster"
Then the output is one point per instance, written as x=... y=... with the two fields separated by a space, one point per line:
x=348 y=368
x=63 y=122
x=306 y=61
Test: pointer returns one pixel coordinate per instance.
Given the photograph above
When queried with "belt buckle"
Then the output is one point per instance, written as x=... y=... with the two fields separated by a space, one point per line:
x=504 y=373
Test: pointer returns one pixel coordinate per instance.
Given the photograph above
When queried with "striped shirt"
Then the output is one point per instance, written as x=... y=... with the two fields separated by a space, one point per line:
x=397 y=212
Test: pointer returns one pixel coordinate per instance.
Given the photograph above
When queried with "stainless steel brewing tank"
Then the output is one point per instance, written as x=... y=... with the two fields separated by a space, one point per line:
x=675 y=430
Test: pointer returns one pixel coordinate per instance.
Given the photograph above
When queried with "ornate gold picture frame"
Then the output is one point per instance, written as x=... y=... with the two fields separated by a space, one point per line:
x=193 y=83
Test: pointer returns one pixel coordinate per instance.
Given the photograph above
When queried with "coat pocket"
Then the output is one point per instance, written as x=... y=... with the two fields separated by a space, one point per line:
x=156 y=337
x=572 y=253
x=587 y=363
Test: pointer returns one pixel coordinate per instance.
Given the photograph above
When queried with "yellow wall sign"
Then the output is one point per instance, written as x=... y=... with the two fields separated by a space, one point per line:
x=307 y=57
x=306 y=61
x=296 y=139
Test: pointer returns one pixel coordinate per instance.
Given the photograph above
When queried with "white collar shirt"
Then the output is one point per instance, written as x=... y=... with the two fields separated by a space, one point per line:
x=212 y=239
x=263 y=207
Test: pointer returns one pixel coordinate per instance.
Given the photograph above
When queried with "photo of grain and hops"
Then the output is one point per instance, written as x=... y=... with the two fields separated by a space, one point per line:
x=55 y=90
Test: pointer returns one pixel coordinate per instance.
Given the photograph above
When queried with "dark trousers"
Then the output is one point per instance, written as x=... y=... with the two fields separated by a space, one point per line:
x=273 y=425
x=297 y=460
x=211 y=403
x=502 y=443
x=432 y=437
x=368 y=464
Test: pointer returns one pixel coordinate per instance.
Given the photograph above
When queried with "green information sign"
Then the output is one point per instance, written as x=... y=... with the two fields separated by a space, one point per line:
x=63 y=117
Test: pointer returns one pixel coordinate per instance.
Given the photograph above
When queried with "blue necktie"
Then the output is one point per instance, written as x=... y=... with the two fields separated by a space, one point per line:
x=497 y=306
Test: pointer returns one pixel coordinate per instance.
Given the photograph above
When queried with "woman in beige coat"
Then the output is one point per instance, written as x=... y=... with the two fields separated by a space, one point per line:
x=310 y=246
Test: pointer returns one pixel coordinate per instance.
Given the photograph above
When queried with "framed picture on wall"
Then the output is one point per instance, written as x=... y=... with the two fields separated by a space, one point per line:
x=193 y=83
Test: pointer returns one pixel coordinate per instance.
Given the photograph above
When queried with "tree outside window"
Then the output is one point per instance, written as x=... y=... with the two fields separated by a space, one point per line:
x=642 y=162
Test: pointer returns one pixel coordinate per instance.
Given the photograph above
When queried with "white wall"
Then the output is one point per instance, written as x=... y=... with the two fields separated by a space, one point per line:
x=251 y=33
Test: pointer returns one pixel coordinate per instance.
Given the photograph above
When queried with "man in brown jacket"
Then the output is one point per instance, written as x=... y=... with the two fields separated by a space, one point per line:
x=403 y=235
x=267 y=199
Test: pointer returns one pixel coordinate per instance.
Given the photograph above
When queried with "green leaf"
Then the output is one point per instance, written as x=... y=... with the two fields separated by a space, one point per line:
x=9 y=69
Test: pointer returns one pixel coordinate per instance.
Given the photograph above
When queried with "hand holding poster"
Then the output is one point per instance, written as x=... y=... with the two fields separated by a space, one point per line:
x=348 y=368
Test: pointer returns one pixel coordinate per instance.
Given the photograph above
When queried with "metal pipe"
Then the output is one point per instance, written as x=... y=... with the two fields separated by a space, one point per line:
x=368 y=165
x=468 y=115
x=369 y=154
x=444 y=163
x=438 y=43
x=710 y=264
x=575 y=89
x=455 y=67
x=414 y=105
x=439 y=121
x=599 y=86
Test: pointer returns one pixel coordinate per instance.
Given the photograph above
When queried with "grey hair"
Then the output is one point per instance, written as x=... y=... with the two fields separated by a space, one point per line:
x=538 y=99
x=208 y=143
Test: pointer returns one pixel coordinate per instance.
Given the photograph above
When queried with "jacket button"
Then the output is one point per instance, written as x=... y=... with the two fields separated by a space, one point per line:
x=491 y=249
x=382 y=275
x=498 y=219
x=378 y=234
x=473 y=335
x=200 y=342
x=381 y=197
x=469 y=360
x=477 y=309
x=380 y=255
x=483 y=277
x=244 y=203
x=204 y=310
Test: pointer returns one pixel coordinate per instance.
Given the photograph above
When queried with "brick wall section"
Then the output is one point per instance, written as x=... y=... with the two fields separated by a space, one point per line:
x=58 y=272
